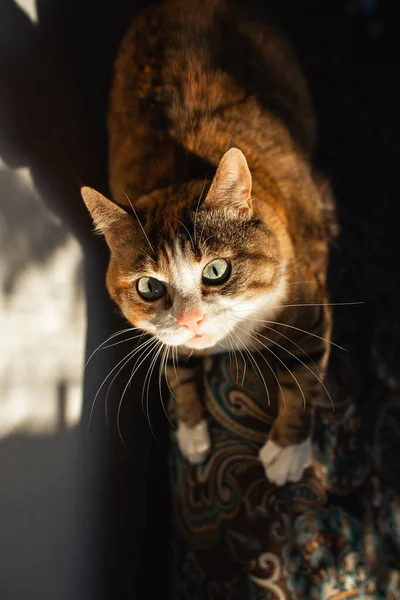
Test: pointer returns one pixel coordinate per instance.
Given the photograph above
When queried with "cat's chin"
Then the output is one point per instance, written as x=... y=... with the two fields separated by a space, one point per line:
x=201 y=342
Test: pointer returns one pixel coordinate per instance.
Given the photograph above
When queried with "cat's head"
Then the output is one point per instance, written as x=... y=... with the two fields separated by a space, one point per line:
x=191 y=264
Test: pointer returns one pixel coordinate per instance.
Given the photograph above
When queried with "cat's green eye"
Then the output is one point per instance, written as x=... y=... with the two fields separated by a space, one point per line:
x=216 y=272
x=150 y=289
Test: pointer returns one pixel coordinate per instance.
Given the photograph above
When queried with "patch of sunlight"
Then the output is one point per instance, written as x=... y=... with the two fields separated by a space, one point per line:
x=29 y=8
x=42 y=320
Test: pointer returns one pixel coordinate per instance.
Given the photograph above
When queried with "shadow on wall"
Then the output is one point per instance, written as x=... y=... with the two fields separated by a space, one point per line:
x=28 y=235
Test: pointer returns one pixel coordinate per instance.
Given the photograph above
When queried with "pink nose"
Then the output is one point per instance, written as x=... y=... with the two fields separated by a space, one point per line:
x=191 y=320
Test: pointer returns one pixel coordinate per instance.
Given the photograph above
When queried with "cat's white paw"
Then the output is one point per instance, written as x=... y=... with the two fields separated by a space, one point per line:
x=194 y=442
x=285 y=464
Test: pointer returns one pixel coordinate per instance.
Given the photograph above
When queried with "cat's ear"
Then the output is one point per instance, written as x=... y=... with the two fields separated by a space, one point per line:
x=108 y=217
x=231 y=186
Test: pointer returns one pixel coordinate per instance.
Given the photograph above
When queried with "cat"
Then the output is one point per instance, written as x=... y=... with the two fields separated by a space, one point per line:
x=216 y=227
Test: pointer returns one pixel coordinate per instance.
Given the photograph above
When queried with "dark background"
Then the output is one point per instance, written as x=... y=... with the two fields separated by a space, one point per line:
x=54 y=81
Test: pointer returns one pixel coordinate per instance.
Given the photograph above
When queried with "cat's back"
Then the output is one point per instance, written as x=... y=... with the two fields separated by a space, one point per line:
x=191 y=77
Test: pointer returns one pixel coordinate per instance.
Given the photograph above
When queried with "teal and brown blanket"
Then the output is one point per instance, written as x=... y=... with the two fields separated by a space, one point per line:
x=333 y=535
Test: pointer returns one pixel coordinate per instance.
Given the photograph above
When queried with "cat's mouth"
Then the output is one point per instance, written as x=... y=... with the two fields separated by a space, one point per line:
x=200 y=341
x=195 y=340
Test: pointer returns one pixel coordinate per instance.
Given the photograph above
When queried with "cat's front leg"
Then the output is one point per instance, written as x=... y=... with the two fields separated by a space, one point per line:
x=185 y=381
x=288 y=450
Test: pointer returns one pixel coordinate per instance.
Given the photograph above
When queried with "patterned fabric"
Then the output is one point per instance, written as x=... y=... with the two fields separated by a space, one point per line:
x=333 y=535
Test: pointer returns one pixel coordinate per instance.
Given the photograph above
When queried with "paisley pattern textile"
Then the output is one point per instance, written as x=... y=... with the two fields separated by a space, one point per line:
x=333 y=535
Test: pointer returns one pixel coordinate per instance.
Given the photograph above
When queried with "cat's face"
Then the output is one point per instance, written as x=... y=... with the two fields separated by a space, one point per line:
x=193 y=274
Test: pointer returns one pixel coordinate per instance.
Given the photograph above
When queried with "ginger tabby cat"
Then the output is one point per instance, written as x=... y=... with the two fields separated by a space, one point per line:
x=216 y=229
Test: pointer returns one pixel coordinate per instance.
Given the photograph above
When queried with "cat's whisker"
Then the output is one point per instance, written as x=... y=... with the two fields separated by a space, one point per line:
x=289 y=339
x=162 y=371
x=146 y=381
x=148 y=377
x=201 y=233
x=297 y=329
x=226 y=335
x=135 y=337
x=319 y=304
x=308 y=304
x=243 y=358
x=231 y=349
x=208 y=238
x=295 y=344
x=175 y=362
x=291 y=262
x=269 y=366
x=141 y=347
x=254 y=362
x=230 y=338
x=111 y=337
x=304 y=365
x=160 y=391
x=237 y=364
x=284 y=365
x=197 y=208
x=128 y=356
x=111 y=384
x=152 y=348
x=109 y=388
x=273 y=372
x=230 y=356
x=138 y=220
x=189 y=234
x=238 y=303
x=322 y=304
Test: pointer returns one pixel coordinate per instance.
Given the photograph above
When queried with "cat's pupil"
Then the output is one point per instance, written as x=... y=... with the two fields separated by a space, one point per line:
x=215 y=270
x=149 y=286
